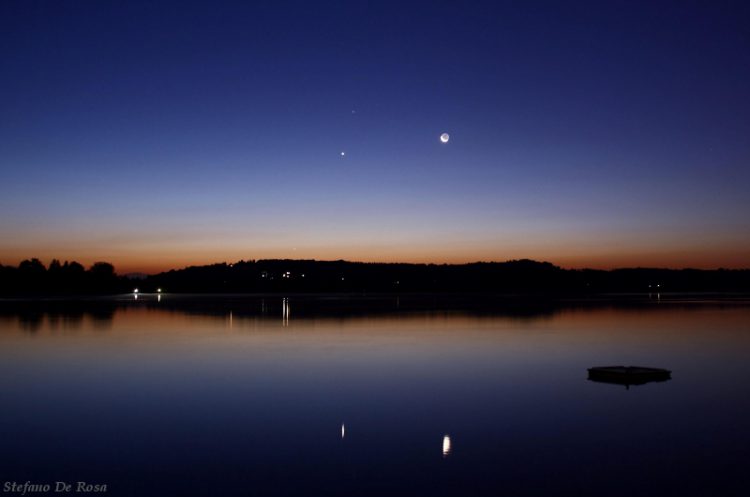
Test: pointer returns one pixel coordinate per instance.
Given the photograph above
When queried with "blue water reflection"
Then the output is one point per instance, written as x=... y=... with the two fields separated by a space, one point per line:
x=222 y=400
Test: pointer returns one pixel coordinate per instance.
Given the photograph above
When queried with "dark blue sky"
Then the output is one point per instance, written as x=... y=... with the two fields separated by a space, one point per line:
x=156 y=134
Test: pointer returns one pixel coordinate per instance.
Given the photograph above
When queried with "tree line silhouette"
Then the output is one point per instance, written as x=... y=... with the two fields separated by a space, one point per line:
x=32 y=278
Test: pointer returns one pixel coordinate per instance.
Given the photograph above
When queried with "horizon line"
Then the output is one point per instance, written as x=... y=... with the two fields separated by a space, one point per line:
x=566 y=268
x=126 y=272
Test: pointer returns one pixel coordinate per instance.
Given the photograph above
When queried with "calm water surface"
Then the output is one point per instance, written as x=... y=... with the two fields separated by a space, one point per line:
x=266 y=397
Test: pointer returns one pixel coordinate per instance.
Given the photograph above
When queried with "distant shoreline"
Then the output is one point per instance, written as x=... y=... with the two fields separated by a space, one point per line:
x=479 y=298
x=285 y=276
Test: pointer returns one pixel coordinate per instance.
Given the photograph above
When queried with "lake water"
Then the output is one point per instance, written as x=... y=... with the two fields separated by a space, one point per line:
x=250 y=396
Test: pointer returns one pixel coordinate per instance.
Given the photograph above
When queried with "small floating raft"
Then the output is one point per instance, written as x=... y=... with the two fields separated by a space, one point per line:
x=628 y=375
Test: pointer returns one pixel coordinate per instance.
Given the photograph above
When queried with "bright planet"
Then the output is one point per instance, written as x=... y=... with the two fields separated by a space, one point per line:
x=445 y=137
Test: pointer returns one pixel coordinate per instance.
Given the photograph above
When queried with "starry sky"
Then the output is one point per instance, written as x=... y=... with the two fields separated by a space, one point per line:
x=156 y=135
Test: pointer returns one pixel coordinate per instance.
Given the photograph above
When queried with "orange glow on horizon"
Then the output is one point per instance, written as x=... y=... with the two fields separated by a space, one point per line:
x=134 y=262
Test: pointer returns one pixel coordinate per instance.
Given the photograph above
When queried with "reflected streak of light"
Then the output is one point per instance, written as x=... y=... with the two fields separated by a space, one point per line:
x=285 y=312
x=446 y=446
x=343 y=430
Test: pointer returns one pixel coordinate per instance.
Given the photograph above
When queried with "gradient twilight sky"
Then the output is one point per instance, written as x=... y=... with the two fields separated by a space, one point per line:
x=156 y=135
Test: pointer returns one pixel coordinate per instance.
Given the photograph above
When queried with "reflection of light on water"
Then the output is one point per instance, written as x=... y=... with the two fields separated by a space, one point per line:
x=158 y=298
x=135 y=294
x=231 y=321
x=285 y=312
x=343 y=430
x=446 y=446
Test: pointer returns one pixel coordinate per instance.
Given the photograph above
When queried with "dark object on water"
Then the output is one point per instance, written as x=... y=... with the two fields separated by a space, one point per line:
x=628 y=375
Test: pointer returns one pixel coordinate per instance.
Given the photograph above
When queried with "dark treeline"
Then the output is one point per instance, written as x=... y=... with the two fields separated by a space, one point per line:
x=31 y=277
x=522 y=276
